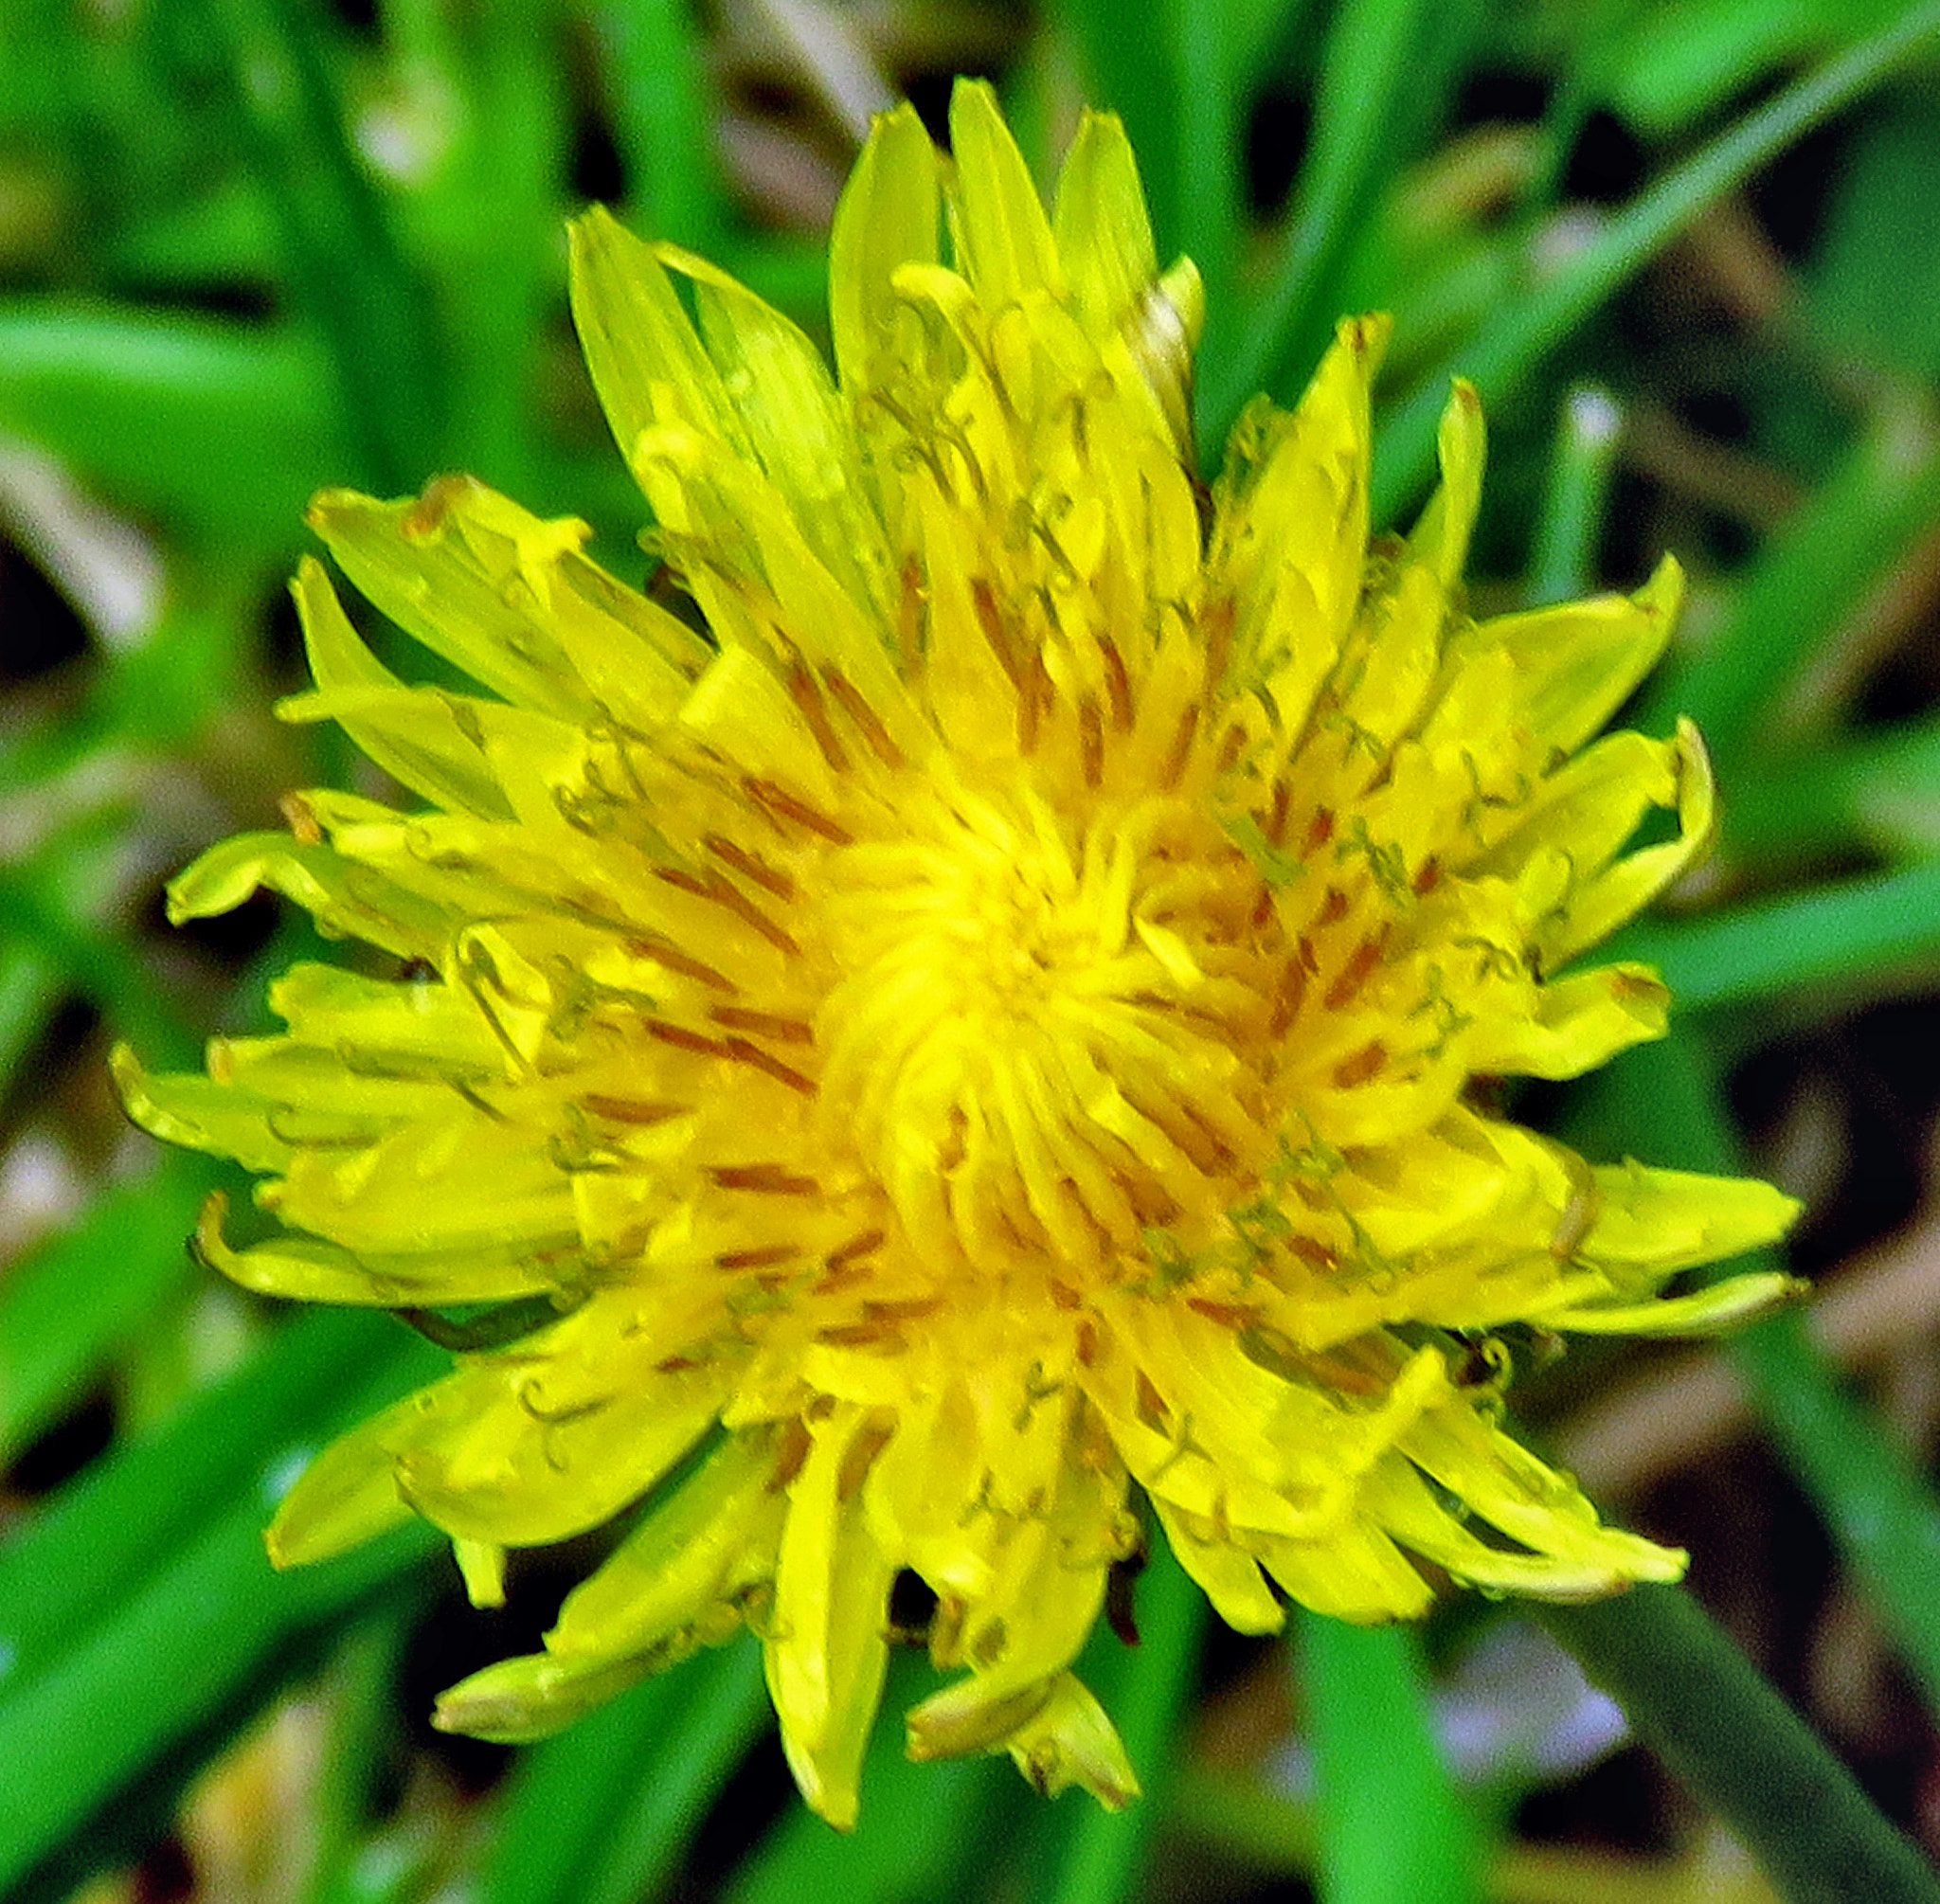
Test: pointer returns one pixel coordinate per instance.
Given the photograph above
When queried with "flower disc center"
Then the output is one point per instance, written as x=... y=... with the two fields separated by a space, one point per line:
x=1007 y=1049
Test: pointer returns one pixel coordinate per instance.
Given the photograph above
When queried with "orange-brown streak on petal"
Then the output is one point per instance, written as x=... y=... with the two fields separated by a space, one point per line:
x=867 y=1334
x=909 y=619
x=814 y=711
x=857 y=1247
x=768 y=1180
x=1118 y=685
x=1273 y=822
x=632 y=1110
x=789 y=1457
x=779 y=800
x=763 y=1024
x=764 y=1258
x=1151 y=1404
x=1034 y=696
x=683 y=1040
x=1356 y=973
x=860 y=1456
x=1215 y=625
x=864 y=718
x=990 y=619
x=1174 y=769
x=664 y=952
x=718 y=891
x=1090 y=742
x=1361 y=1065
x=906 y=1309
x=769 y=878
x=744 y=1050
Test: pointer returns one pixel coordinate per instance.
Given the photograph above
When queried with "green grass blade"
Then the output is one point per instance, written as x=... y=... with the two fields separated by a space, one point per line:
x=1834 y=936
x=115 y=1525
x=102 y=967
x=139 y=1607
x=1718 y=1724
x=600 y=1814
x=488 y=223
x=64 y=1308
x=1820 y=569
x=1882 y=790
x=663 y=119
x=1662 y=1101
x=1562 y=559
x=1527 y=329
x=221 y=427
x=272 y=67
x=363 y=1717
x=30 y=989
x=1365 y=66
x=174 y=1651
x=1090 y=1856
x=1391 y=1828
x=1207 y=117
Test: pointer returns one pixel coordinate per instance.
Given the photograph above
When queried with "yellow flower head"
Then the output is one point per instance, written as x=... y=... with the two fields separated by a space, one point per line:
x=975 y=1048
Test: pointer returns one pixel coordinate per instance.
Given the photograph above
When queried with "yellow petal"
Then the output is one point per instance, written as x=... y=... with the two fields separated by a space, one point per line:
x=532 y=1697
x=825 y=1650
x=1003 y=239
x=1660 y=1221
x=702 y=1550
x=1441 y=537
x=1579 y=1022
x=886 y=218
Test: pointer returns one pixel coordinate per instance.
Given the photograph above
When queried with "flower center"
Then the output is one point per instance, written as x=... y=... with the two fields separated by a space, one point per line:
x=1023 y=1045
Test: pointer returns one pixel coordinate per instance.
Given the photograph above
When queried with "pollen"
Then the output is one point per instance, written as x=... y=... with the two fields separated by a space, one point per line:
x=967 y=1047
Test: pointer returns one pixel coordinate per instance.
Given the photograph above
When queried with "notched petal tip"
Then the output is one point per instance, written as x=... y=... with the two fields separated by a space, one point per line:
x=1441 y=536
x=529 y=1697
x=1710 y=1311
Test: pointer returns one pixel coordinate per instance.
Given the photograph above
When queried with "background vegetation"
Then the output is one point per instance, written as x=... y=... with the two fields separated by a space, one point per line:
x=1687 y=248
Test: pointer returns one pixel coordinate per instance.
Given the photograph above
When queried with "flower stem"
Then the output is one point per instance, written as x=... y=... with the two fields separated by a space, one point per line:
x=1720 y=1726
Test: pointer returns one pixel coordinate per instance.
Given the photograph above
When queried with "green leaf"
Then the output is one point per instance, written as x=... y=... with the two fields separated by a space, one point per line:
x=86 y=1550
x=1680 y=60
x=270 y=71
x=226 y=427
x=663 y=119
x=1817 y=572
x=1663 y=1100
x=1834 y=937
x=1718 y=1724
x=1392 y=1830
x=173 y=1654
x=138 y=1604
x=1368 y=62
x=602 y=1813
x=1874 y=281
x=1562 y=559
x=65 y=1308
x=1524 y=329
x=921 y=1831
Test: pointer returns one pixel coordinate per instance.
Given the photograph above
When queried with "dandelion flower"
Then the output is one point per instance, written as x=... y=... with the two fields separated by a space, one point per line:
x=969 y=1043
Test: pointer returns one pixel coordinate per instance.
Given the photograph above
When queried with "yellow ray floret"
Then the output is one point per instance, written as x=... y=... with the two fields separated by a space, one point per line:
x=976 y=1052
